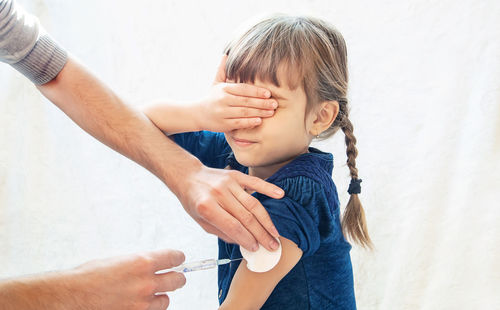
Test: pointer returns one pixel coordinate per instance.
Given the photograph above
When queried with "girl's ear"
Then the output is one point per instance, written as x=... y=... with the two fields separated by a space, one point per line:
x=324 y=117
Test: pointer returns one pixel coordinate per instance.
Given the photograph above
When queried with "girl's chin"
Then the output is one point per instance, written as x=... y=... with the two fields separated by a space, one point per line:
x=247 y=162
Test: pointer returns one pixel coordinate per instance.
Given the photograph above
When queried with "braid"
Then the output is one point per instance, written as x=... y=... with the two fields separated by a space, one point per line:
x=353 y=221
x=351 y=151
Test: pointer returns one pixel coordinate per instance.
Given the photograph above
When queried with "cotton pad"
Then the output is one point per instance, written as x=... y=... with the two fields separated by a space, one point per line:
x=261 y=260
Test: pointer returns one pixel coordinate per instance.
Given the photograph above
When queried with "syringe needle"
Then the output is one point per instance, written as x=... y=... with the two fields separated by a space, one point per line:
x=198 y=265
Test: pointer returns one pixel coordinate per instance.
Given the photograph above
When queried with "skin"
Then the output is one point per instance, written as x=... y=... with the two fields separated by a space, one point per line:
x=250 y=290
x=265 y=149
x=206 y=194
x=201 y=190
x=126 y=282
x=278 y=140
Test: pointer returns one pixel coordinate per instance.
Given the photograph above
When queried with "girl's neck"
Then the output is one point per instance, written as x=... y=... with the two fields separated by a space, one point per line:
x=264 y=172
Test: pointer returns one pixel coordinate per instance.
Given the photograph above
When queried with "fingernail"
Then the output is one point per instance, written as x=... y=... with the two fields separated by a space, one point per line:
x=267 y=93
x=279 y=192
x=255 y=247
x=274 y=104
x=257 y=121
x=274 y=245
x=269 y=112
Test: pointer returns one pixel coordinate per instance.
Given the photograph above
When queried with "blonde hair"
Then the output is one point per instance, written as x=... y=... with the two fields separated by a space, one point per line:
x=313 y=55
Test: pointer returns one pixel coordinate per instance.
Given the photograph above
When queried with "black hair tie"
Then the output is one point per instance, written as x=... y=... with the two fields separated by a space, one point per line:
x=354 y=186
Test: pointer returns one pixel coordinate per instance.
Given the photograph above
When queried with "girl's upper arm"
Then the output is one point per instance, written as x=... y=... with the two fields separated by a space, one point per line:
x=250 y=290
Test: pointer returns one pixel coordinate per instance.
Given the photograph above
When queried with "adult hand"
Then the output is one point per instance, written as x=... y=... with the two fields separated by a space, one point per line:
x=232 y=106
x=218 y=200
x=130 y=282
x=127 y=282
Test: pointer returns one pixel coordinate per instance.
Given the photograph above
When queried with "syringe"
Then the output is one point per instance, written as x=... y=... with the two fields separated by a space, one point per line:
x=199 y=265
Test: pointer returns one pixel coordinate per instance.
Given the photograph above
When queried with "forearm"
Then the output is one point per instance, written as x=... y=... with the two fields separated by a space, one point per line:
x=249 y=290
x=51 y=291
x=100 y=112
x=174 y=118
x=90 y=103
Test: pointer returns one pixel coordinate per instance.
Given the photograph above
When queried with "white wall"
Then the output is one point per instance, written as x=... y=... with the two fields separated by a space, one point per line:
x=425 y=94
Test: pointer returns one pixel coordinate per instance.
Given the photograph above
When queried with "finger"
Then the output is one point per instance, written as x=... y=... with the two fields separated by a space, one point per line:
x=247 y=218
x=230 y=226
x=220 y=77
x=239 y=123
x=226 y=239
x=258 y=185
x=160 y=302
x=243 y=112
x=164 y=259
x=254 y=206
x=214 y=231
x=170 y=281
x=250 y=102
x=247 y=90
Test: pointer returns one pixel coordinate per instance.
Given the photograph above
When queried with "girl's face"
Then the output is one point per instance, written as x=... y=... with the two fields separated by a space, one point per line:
x=278 y=139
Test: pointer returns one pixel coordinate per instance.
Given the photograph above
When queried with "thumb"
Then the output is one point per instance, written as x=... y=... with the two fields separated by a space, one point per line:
x=220 y=77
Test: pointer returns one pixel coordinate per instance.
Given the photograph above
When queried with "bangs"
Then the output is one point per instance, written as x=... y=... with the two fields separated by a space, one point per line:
x=273 y=51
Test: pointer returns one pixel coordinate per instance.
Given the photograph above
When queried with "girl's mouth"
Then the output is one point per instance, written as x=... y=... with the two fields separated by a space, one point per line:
x=242 y=142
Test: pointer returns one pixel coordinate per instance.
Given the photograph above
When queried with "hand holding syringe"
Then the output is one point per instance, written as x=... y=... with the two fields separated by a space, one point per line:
x=199 y=265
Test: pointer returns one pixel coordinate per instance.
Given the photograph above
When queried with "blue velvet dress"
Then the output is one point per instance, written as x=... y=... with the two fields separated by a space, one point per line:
x=308 y=215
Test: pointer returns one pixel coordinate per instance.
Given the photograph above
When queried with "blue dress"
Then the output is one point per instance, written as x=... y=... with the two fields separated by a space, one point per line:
x=308 y=215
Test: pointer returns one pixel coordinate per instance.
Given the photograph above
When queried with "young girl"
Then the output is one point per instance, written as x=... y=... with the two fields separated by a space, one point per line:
x=303 y=62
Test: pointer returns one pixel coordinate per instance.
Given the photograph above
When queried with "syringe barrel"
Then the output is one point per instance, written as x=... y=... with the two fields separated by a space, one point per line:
x=199 y=265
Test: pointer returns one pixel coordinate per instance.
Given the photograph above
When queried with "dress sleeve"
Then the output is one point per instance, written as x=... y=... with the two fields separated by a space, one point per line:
x=294 y=224
x=303 y=215
x=210 y=148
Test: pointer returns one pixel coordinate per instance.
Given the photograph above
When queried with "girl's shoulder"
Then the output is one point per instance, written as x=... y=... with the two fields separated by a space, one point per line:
x=308 y=215
x=315 y=164
x=307 y=176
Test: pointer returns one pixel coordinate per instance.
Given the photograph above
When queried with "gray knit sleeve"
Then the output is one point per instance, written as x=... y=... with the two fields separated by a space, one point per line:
x=26 y=47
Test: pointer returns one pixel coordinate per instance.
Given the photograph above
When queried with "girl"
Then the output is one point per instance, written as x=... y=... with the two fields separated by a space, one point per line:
x=303 y=62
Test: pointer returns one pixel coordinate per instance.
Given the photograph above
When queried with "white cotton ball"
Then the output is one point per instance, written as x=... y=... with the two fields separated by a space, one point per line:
x=261 y=260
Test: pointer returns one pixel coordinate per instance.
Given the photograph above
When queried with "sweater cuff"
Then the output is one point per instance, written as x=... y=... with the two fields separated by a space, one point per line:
x=44 y=61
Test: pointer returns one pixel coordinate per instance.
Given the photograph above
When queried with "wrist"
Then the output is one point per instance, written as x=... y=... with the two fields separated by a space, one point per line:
x=195 y=114
x=180 y=175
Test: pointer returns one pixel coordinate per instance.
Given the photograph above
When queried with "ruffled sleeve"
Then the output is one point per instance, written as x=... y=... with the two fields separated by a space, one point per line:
x=303 y=215
x=211 y=148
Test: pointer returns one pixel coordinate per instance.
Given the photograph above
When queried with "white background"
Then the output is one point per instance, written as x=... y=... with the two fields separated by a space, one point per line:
x=425 y=95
